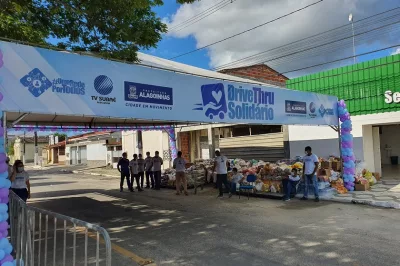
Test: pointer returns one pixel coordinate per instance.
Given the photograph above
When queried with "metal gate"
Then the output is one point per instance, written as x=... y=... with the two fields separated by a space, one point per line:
x=42 y=238
x=74 y=159
x=82 y=155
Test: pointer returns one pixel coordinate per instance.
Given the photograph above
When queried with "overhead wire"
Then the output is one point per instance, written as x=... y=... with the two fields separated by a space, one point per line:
x=202 y=15
x=273 y=58
x=311 y=39
x=248 y=30
x=344 y=58
x=197 y=15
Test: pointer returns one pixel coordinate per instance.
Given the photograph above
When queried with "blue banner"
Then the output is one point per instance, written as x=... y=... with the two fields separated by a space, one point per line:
x=50 y=82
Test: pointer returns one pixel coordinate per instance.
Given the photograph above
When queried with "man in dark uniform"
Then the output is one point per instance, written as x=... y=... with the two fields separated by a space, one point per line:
x=123 y=168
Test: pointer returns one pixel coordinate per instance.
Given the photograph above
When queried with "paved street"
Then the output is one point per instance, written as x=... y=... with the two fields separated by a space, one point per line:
x=201 y=230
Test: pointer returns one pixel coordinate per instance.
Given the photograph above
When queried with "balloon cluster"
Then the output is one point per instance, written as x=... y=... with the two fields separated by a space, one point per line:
x=172 y=142
x=5 y=247
x=349 y=167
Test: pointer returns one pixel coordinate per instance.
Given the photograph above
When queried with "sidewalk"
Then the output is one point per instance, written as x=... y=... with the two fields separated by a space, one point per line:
x=380 y=195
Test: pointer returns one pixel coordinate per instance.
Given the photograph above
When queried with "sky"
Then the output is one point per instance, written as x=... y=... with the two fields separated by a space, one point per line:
x=241 y=15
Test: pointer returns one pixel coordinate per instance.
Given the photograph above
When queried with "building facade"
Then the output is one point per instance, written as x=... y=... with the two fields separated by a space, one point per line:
x=95 y=149
x=372 y=94
x=24 y=147
x=140 y=142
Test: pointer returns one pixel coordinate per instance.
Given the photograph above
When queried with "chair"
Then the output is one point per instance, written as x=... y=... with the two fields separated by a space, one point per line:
x=251 y=179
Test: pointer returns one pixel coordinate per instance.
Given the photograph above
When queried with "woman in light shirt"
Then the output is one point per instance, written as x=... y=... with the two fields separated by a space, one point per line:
x=20 y=181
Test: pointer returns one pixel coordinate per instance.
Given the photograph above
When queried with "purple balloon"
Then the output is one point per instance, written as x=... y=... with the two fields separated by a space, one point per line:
x=1 y=63
x=7 y=258
x=3 y=167
x=4 y=192
x=3 y=226
x=3 y=157
x=342 y=103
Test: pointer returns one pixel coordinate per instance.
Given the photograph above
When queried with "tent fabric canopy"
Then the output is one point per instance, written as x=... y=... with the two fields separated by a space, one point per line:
x=45 y=87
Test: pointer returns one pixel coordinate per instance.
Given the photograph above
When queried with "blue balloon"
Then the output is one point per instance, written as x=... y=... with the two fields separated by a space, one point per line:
x=8 y=263
x=3 y=207
x=4 y=175
x=8 y=249
x=3 y=243
x=2 y=254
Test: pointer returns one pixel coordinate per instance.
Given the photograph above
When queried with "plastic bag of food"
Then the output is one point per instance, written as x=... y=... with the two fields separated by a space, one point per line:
x=273 y=189
x=259 y=186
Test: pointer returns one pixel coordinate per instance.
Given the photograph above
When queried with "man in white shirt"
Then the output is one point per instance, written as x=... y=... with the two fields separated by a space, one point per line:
x=180 y=167
x=140 y=163
x=157 y=163
x=290 y=183
x=221 y=166
x=148 y=165
x=133 y=165
x=310 y=166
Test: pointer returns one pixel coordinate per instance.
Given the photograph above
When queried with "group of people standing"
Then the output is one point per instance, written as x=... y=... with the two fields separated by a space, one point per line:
x=138 y=168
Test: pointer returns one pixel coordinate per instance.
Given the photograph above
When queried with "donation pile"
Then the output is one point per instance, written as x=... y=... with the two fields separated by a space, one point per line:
x=196 y=174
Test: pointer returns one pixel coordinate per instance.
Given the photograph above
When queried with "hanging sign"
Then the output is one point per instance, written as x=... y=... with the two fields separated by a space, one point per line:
x=42 y=81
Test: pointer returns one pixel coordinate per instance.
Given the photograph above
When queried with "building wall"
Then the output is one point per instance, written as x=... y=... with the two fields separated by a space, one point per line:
x=184 y=144
x=156 y=141
x=29 y=151
x=97 y=154
x=324 y=140
x=129 y=143
x=389 y=142
x=260 y=73
x=363 y=86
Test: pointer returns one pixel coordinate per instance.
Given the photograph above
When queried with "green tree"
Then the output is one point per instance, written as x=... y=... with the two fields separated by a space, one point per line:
x=61 y=136
x=110 y=28
x=10 y=150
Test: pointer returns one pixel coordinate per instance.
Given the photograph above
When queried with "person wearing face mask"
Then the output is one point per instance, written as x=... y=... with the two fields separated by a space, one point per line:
x=20 y=181
x=289 y=183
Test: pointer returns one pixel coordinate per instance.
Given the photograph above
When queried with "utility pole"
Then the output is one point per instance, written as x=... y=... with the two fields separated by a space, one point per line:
x=351 y=18
x=23 y=154
x=36 y=159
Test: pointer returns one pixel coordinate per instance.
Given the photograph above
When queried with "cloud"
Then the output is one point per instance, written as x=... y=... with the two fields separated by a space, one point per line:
x=244 y=14
x=397 y=51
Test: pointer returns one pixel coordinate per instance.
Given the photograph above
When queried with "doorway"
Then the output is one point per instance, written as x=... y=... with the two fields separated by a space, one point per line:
x=390 y=151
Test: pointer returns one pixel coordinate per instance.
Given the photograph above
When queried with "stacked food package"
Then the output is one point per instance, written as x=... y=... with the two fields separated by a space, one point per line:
x=270 y=175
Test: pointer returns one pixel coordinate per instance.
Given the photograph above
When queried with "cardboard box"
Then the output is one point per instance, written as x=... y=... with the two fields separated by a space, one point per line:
x=377 y=176
x=337 y=166
x=325 y=165
x=361 y=187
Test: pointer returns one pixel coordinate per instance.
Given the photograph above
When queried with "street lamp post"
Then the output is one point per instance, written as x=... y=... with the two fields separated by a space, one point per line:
x=352 y=30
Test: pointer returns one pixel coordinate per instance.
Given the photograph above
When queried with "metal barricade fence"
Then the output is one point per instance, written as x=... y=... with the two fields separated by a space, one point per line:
x=31 y=237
